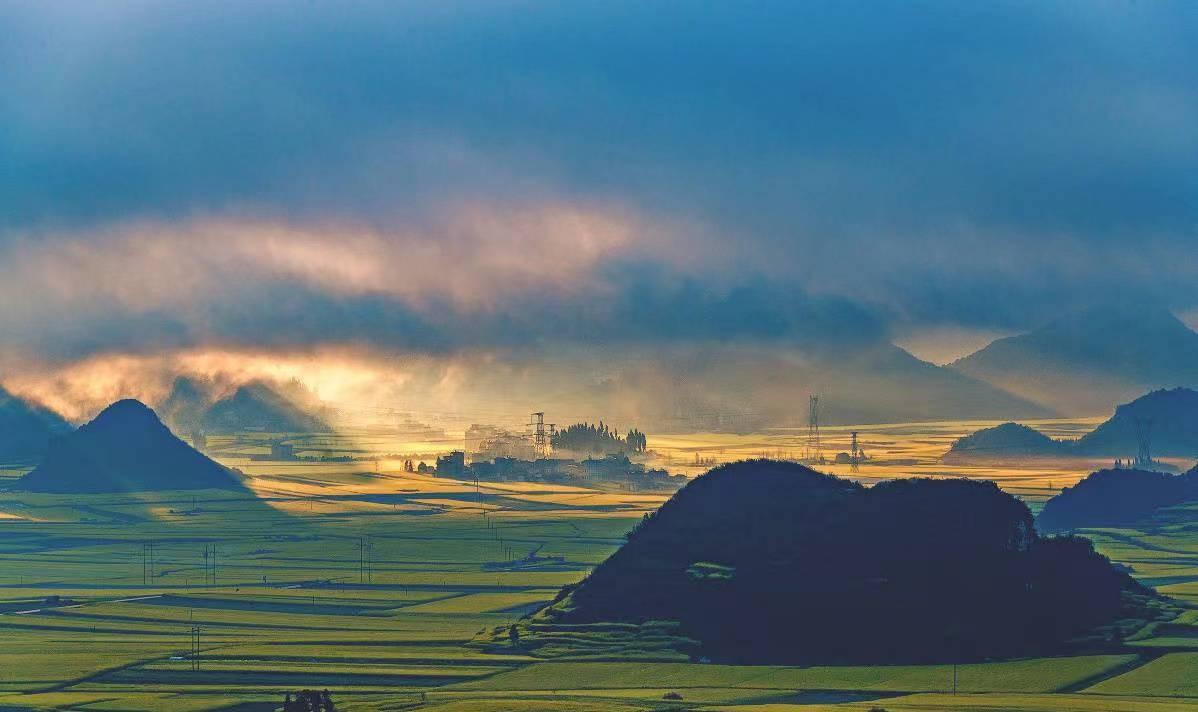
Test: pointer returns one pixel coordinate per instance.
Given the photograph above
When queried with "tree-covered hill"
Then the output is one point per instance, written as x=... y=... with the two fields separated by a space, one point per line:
x=1117 y=498
x=765 y=561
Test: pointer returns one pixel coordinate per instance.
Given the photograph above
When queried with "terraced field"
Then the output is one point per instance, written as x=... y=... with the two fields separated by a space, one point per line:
x=373 y=583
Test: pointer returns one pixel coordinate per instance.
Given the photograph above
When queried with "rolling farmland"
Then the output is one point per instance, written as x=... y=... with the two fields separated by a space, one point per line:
x=372 y=582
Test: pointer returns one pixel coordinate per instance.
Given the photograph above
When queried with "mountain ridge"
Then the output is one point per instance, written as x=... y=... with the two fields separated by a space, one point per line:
x=1079 y=363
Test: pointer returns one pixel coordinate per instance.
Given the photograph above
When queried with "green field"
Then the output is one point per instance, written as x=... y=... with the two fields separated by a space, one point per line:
x=374 y=583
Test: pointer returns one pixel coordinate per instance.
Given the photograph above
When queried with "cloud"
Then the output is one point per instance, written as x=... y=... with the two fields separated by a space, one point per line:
x=439 y=177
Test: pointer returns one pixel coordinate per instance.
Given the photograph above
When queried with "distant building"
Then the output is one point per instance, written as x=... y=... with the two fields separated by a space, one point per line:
x=282 y=451
x=452 y=465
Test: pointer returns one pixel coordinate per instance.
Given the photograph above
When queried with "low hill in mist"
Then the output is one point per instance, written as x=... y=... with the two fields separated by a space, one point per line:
x=26 y=429
x=126 y=448
x=1117 y=498
x=769 y=562
x=1079 y=364
x=259 y=406
x=1007 y=440
x=1168 y=417
x=184 y=407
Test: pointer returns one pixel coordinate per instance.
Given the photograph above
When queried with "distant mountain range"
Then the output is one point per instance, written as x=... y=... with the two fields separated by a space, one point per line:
x=26 y=428
x=1080 y=364
x=740 y=388
x=769 y=562
x=126 y=448
x=1167 y=418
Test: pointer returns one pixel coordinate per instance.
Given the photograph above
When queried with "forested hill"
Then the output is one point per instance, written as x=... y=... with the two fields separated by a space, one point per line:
x=765 y=561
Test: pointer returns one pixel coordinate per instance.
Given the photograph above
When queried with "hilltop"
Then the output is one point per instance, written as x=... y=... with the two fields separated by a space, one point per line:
x=1116 y=498
x=764 y=561
x=1006 y=440
x=26 y=429
x=1082 y=362
x=126 y=448
x=260 y=406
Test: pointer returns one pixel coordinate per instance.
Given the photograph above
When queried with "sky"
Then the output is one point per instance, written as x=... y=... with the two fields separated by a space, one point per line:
x=432 y=184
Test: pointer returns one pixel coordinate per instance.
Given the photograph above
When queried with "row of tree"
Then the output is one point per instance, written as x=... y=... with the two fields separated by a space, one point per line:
x=599 y=440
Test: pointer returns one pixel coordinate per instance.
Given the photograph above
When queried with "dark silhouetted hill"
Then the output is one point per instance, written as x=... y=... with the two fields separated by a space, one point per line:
x=1116 y=498
x=765 y=561
x=1008 y=440
x=26 y=428
x=125 y=449
x=259 y=406
x=1171 y=417
x=1082 y=363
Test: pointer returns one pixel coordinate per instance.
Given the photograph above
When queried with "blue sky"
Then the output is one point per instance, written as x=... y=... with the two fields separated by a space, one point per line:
x=438 y=177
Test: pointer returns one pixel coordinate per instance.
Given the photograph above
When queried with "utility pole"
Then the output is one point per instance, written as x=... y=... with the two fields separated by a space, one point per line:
x=147 y=563
x=195 y=648
x=365 y=560
x=210 y=564
x=854 y=455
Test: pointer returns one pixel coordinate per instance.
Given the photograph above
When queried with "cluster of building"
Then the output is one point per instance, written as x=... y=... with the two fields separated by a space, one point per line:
x=613 y=469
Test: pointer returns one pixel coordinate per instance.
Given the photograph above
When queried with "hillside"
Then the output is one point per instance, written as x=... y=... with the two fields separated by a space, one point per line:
x=125 y=449
x=1168 y=417
x=1116 y=498
x=259 y=406
x=1007 y=440
x=1171 y=420
x=1081 y=363
x=765 y=561
x=26 y=428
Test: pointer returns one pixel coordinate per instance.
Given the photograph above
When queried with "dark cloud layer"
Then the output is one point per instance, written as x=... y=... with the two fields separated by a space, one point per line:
x=829 y=170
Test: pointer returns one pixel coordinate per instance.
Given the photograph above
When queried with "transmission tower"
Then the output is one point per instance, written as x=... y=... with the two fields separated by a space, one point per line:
x=540 y=436
x=1144 y=440
x=815 y=452
x=854 y=454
